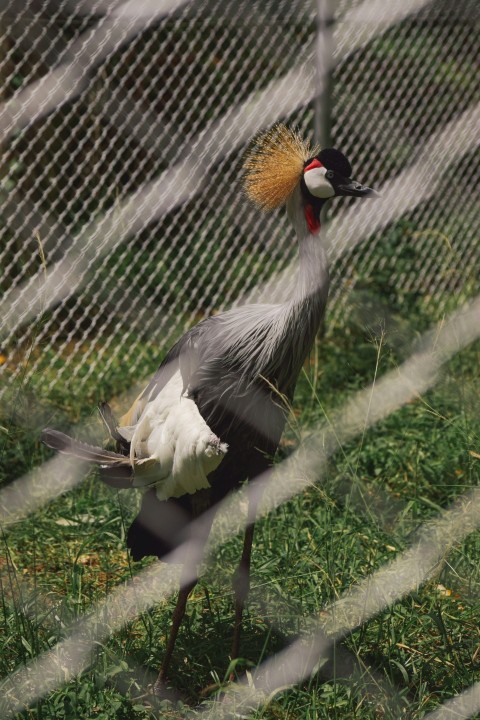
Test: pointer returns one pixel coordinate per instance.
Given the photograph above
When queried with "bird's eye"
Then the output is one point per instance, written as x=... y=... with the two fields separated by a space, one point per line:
x=329 y=174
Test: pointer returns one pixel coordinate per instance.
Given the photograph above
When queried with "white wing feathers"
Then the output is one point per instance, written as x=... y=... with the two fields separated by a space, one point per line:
x=172 y=446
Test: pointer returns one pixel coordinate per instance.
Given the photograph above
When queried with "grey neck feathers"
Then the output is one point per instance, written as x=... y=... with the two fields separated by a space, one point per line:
x=297 y=321
x=309 y=300
x=273 y=341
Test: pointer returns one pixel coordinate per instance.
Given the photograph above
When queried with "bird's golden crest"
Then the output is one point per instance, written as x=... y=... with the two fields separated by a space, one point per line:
x=273 y=166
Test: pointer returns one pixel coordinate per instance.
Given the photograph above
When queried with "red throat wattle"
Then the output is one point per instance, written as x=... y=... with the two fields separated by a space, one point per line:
x=312 y=222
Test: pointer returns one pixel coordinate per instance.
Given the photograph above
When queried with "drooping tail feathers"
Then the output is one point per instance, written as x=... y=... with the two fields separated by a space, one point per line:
x=111 y=425
x=160 y=526
x=115 y=469
x=63 y=443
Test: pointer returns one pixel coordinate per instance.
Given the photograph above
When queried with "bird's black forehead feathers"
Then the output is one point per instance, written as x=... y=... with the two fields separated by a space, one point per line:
x=334 y=160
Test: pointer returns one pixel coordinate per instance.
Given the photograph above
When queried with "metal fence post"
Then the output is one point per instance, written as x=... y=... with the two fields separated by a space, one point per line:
x=323 y=56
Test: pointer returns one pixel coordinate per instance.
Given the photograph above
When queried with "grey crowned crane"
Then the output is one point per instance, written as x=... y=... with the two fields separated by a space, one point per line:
x=210 y=417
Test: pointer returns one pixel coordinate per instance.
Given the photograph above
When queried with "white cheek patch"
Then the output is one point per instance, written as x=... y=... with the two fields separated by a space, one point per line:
x=318 y=184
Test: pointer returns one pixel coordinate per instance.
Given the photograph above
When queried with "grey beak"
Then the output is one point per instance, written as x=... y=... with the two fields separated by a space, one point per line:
x=355 y=189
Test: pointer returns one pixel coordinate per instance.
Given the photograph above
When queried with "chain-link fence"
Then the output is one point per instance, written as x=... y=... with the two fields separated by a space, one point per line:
x=123 y=125
x=123 y=128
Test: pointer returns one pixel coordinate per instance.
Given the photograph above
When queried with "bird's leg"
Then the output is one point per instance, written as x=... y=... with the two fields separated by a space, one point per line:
x=241 y=578
x=177 y=617
x=241 y=588
x=197 y=535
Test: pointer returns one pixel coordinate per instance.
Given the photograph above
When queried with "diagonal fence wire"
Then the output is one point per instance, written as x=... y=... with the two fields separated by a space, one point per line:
x=123 y=21
x=412 y=378
x=413 y=186
x=68 y=276
x=413 y=368
x=171 y=189
x=463 y=706
x=178 y=185
x=33 y=490
x=119 y=25
x=405 y=574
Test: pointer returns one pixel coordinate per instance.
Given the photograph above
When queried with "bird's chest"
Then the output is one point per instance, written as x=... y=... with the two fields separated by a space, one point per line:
x=243 y=414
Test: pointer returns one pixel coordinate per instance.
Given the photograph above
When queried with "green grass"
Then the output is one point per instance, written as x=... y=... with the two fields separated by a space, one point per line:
x=376 y=493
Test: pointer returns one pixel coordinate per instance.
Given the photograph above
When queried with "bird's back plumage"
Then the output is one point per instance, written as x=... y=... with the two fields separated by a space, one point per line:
x=223 y=374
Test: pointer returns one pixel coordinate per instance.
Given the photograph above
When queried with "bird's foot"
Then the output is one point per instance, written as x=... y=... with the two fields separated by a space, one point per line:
x=161 y=691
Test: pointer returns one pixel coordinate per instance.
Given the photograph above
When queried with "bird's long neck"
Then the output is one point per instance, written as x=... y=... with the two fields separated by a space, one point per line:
x=283 y=334
x=311 y=289
x=301 y=316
